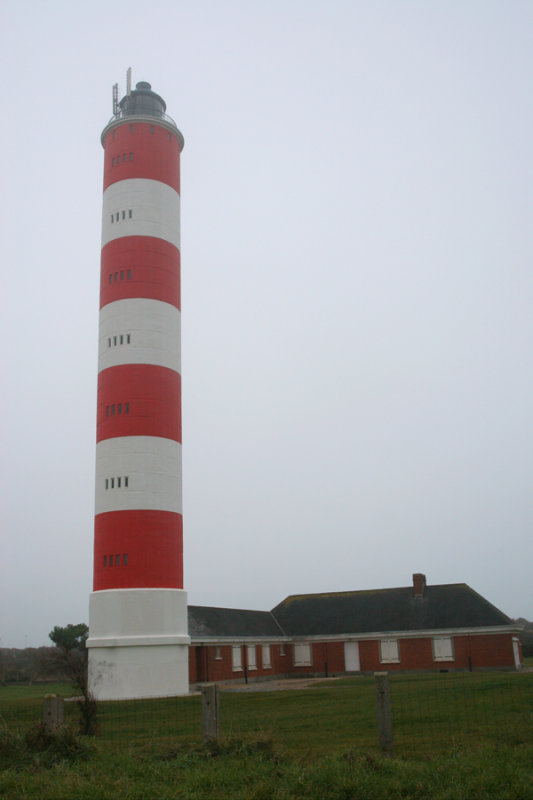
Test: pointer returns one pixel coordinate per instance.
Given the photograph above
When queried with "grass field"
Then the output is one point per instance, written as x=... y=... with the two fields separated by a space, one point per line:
x=456 y=736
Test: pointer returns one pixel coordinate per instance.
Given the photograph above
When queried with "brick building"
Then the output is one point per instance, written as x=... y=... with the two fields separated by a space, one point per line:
x=420 y=627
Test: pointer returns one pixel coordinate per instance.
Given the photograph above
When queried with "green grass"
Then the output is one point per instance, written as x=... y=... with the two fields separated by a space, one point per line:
x=456 y=736
x=254 y=770
x=19 y=691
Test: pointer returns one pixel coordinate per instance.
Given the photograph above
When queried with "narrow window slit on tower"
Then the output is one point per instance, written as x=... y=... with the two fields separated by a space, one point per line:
x=118 y=483
x=123 y=215
x=107 y=483
x=110 y=277
x=112 y=483
x=112 y=216
x=110 y=561
x=105 y=561
x=121 y=277
x=118 y=159
x=126 y=481
x=125 y=559
x=126 y=408
x=117 y=559
x=131 y=156
x=121 y=338
x=130 y=213
x=117 y=215
x=129 y=274
x=112 y=412
x=128 y=338
x=120 y=408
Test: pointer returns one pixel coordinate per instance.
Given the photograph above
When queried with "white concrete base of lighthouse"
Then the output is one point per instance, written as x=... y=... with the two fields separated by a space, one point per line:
x=138 y=643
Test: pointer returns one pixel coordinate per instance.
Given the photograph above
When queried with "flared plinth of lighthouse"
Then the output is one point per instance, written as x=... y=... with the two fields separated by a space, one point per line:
x=138 y=642
x=138 y=645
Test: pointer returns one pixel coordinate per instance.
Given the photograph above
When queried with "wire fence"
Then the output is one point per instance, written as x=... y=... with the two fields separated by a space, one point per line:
x=430 y=714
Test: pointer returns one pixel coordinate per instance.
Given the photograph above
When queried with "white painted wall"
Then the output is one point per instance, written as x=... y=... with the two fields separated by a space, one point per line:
x=153 y=467
x=351 y=657
x=154 y=328
x=302 y=655
x=155 y=207
x=138 y=645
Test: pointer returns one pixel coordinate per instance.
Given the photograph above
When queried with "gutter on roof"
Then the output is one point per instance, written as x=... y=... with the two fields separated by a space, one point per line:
x=241 y=640
x=414 y=634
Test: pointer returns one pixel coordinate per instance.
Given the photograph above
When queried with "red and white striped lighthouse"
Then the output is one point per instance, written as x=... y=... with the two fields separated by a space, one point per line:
x=138 y=642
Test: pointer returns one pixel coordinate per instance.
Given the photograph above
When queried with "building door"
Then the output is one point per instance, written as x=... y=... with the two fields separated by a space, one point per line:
x=351 y=657
x=516 y=653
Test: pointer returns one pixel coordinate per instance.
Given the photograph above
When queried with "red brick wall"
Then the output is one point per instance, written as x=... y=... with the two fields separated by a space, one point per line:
x=414 y=654
x=486 y=650
x=489 y=650
x=204 y=666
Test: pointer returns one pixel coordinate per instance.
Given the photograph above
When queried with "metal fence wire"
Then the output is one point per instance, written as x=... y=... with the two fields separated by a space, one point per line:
x=430 y=713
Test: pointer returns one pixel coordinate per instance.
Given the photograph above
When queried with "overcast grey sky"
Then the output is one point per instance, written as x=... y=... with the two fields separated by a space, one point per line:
x=356 y=294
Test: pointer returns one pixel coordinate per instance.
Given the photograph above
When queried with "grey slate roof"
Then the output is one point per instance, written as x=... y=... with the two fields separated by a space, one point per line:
x=206 y=622
x=452 y=605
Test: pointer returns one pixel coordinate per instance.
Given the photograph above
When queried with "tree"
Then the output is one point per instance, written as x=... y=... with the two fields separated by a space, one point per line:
x=72 y=637
x=71 y=653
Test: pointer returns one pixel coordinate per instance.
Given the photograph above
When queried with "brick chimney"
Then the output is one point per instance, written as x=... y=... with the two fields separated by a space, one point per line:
x=419 y=584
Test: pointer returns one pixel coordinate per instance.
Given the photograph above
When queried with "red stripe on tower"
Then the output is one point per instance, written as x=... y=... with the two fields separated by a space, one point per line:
x=140 y=266
x=139 y=400
x=138 y=607
x=123 y=543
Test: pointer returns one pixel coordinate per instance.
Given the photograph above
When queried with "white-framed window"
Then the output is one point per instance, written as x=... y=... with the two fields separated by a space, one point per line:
x=443 y=649
x=389 y=652
x=282 y=649
x=218 y=654
x=252 y=663
x=236 y=657
x=266 y=660
x=302 y=655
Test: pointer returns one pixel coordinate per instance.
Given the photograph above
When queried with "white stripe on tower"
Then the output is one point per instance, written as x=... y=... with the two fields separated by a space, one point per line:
x=139 y=331
x=141 y=208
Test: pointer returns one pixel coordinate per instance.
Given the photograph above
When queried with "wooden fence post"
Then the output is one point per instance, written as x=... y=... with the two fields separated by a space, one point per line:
x=383 y=705
x=53 y=709
x=210 y=712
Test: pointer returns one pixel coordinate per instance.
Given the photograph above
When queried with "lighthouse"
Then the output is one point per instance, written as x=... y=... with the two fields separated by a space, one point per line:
x=138 y=640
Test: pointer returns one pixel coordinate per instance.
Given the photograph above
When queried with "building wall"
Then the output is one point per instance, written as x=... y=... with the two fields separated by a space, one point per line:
x=211 y=663
x=476 y=651
x=215 y=663
x=485 y=651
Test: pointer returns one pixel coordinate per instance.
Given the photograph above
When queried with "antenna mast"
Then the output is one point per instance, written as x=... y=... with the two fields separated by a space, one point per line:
x=128 y=81
x=115 y=100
